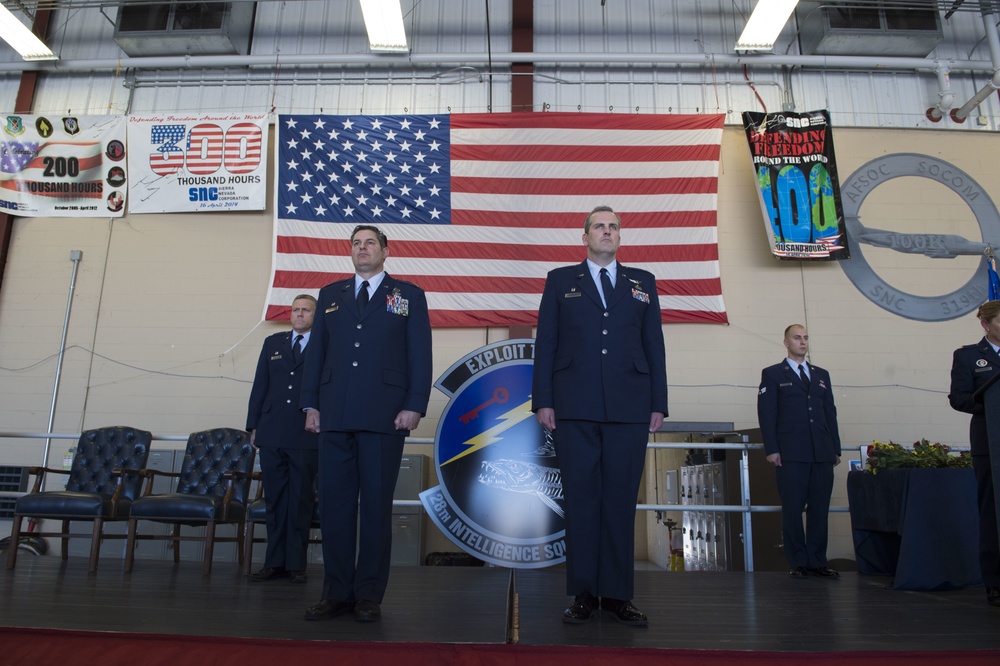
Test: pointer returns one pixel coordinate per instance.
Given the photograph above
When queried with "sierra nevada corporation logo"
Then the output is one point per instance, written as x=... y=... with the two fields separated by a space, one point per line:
x=500 y=493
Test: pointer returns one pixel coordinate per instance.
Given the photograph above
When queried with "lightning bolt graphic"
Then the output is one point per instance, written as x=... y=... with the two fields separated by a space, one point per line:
x=510 y=419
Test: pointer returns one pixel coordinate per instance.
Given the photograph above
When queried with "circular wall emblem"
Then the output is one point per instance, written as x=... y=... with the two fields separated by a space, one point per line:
x=115 y=150
x=115 y=201
x=500 y=493
x=937 y=246
x=116 y=176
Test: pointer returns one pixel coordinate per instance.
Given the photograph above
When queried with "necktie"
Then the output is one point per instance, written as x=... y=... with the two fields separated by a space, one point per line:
x=297 y=347
x=802 y=374
x=363 y=296
x=606 y=286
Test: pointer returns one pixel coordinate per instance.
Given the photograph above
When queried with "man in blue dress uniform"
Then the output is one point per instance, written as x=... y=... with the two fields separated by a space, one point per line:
x=288 y=455
x=366 y=386
x=600 y=386
x=798 y=423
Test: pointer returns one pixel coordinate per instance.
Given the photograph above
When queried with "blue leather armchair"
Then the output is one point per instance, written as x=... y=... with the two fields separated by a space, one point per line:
x=104 y=480
x=212 y=489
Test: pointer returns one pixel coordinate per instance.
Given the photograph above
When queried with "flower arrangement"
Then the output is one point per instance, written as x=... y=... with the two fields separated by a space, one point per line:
x=923 y=454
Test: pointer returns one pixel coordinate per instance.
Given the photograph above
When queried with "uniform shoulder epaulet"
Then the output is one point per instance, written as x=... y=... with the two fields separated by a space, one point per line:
x=634 y=271
x=407 y=283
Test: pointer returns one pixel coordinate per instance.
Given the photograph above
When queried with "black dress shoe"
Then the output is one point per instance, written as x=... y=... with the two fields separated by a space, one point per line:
x=299 y=577
x=799 y=572
x=268 y=573
x=993 y=596
x=582 y=609
x=327 y=609
x=367 y=611
x=625 y=612
x=824 y=572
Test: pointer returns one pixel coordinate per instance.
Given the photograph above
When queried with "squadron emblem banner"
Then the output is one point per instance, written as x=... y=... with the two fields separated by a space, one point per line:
x=62 y=166
x=499 y=496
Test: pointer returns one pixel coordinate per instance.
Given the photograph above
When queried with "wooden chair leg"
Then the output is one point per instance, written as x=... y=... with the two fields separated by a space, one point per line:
x=15 y=538
x=64 y=538
x=176 y=542
x=95 y=543
x=247 y=548
x=206 y=567
x=240 y=529
x=130 y=544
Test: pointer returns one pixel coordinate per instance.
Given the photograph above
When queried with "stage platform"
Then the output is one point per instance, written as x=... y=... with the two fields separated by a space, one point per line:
x=766 y=612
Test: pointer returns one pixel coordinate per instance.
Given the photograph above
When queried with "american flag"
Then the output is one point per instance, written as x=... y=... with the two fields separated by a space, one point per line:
x=479 y=207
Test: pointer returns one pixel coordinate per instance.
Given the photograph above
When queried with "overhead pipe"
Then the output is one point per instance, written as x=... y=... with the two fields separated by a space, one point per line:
x=946 y=96
x=993 y=41
x=369 y=60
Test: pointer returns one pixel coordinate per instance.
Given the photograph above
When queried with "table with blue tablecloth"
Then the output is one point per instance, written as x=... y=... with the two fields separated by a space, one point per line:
x=918 y=525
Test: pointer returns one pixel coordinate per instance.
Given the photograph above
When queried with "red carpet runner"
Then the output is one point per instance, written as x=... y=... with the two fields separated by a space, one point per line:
x=50 y=647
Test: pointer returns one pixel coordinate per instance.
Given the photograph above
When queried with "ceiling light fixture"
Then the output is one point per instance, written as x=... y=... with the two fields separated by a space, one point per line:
x=384 y=22
x=20 y=37
x=765 y=24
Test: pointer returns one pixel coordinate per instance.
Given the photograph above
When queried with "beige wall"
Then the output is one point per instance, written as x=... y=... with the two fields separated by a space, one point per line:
x=165 y=326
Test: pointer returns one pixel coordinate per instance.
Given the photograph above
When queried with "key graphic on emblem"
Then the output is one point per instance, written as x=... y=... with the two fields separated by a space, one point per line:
x=500 y=395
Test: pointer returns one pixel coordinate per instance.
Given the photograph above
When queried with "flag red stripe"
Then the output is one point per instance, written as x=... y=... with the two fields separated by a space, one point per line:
x=585 y=186
x=466 y=318
x=485 y=285
x=585 y=121
x=694 y=317
x=556 y=153
x=497 y=251
x=574 y=220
